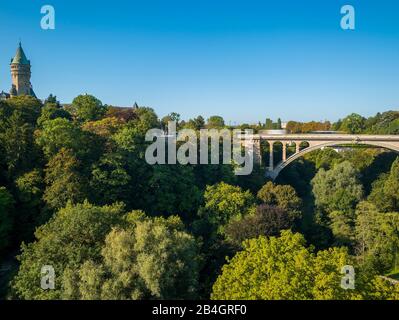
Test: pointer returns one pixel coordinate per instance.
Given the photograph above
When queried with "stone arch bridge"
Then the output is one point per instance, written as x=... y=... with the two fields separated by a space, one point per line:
x=314 y=142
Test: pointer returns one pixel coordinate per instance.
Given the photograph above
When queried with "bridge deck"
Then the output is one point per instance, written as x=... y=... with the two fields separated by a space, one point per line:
x=326 y=137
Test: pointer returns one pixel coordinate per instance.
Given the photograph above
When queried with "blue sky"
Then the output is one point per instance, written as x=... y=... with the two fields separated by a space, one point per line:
x=243 y=60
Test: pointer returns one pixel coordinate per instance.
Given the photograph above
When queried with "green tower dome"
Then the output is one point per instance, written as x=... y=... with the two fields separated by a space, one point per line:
x=20 y=57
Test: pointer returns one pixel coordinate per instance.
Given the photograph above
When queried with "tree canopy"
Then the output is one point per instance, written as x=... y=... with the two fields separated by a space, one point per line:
x=77 y=194
x=88 y=108
x=282 y=268
x=337 y=189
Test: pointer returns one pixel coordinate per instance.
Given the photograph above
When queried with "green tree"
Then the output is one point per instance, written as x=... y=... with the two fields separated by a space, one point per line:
x=59 y=133
x=18 y=118
x=224 y=202
x=215 y=122
x=111 y=180
x=172 y=117
x=279 y=124
x=199 y=123
x=52 y=111
x=175 y=191
x=383 y=289
x=383 y=123
x=30 y=188
x=6 y=218
x=266 y=221
x=148 y=259
x=342 y=227
x=62 y=133
x=337 y=125
x=381 y=162
x=147 y=119
x=63 y=181
x=353 y=124
x=282 y=268
x=88 y=108
x=377 y=237
x=19 y=152
x=131 y=138
x=52 y=99
x=28 y=107
x=73 y=236
x=384 y=193
x=326 y=158
x=283 y=196
x=269 y=124
x=29 y=204
x=253 y=181
x=213 y=173
x=337 y=189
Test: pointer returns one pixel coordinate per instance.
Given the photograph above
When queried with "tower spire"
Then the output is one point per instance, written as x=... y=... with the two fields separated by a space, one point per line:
x=20 y=57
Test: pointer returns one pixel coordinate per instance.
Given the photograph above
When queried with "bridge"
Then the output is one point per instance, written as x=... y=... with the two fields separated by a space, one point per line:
x=313 y=142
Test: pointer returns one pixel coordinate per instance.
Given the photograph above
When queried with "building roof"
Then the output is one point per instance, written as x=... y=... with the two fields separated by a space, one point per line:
x=4 y=95
x=20 y=57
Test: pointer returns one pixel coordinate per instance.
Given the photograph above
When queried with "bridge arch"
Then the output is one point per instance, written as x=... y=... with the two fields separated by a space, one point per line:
x=312 y=147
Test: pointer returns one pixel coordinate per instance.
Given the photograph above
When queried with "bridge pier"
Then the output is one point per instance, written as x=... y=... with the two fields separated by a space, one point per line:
x=284 y=151
x=257 y=152
x=271 y=159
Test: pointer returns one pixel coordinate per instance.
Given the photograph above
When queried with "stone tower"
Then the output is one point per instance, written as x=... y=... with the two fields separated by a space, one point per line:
x=20 y=73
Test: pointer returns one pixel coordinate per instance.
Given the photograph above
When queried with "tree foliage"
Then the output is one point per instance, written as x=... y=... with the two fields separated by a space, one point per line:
x=103 y=253
x=215 y=122
x=377 y=238
x=282 y=269
x=224 y=202
x=88 y=108
x=77 y=175
x=74 y=235
x=385 y=194
x=283 y=196
x=6 y=218
x=337 y=189
x=353 y=124
x=148 y=259
x=64 y=183
x=266 y=221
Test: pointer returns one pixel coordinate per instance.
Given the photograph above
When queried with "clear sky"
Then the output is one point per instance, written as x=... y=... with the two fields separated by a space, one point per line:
x=243 y=60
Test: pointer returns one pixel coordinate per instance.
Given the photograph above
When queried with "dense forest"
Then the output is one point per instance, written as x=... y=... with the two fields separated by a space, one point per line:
x=77 y=194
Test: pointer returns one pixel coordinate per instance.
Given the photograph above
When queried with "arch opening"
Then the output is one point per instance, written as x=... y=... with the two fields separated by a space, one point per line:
x=306 y=148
